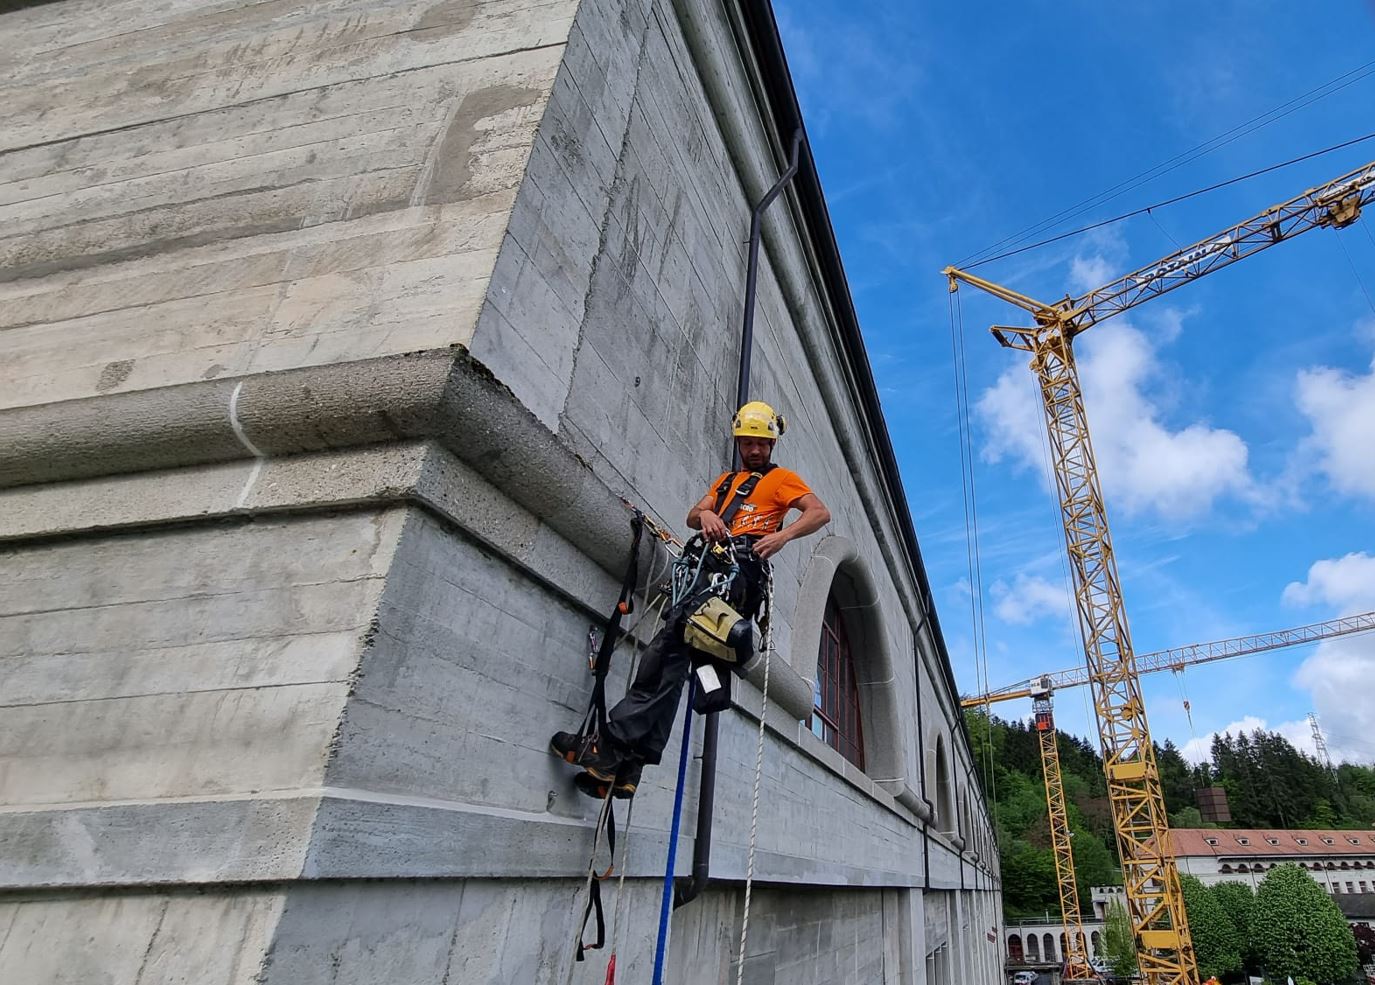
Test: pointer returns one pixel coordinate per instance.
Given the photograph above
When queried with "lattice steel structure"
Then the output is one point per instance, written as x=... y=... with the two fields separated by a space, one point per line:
x=1076 y=949
x=1191 y=655
x=1155 y=904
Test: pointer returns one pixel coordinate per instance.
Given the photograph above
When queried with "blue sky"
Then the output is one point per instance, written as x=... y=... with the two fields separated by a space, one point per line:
x=1234 y=421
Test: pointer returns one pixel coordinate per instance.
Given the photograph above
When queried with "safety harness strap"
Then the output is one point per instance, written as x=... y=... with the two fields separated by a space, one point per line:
x=594 y=893
x=594 y=723
x=727 y=510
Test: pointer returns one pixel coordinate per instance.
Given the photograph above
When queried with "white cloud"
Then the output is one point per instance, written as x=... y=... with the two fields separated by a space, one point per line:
x=1198 y=749
x=1345 y=583
x=1340 y=675
x=1144 y=465
x=1299 y=733
x=1028 y=599
x=1340 y=408
x=1087 y=273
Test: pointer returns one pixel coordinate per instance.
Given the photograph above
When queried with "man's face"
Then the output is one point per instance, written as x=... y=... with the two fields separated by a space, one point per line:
x=754 y=452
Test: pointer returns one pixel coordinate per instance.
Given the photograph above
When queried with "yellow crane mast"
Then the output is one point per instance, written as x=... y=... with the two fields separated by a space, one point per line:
x=1040 y=690
x=1057 y=809
x=1151 y=881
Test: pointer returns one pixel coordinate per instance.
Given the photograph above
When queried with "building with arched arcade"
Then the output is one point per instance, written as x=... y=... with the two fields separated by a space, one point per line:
x=335 y=337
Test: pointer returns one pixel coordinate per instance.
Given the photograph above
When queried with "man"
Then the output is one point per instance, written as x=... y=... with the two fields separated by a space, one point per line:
x=639 y=726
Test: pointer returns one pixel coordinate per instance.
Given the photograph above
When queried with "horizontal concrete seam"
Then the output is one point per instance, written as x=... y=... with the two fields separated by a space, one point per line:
x=165 y=694
x=282 y=95
x=261 y=796
x=123 y=603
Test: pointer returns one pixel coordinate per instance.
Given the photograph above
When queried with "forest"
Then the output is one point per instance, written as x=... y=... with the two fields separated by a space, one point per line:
x=1269 y=784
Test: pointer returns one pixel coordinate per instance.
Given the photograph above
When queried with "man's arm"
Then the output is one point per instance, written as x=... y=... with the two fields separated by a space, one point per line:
x=814 y=517
x=701 y=517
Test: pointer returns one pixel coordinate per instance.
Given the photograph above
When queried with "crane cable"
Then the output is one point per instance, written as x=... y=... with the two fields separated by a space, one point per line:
x=1179 y=160
x=1170 y=201
x=973 y=558
x=1360 y=281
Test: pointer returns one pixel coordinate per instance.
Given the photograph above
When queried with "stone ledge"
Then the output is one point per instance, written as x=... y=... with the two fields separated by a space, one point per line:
x=346 y=834
x=444 y=395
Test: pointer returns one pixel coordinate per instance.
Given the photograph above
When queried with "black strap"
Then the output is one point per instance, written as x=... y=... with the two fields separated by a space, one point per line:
x=611 y=634
x=594 y=895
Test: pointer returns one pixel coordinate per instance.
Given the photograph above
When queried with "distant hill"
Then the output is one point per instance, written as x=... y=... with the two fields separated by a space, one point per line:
x=1269 y=784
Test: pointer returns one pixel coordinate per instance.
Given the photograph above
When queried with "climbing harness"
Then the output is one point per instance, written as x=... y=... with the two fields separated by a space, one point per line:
x=594 y=721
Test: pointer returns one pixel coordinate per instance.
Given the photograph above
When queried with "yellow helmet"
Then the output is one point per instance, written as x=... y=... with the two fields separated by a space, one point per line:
x=758 y=420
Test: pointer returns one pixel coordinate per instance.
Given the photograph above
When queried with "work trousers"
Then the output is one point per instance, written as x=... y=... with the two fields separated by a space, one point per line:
x=641 y=722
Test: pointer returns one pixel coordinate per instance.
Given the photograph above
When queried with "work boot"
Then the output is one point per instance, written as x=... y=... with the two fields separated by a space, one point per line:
x=589 y=752
x=594 y=782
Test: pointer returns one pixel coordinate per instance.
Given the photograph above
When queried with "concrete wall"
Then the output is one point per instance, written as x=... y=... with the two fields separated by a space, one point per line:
x=194 y=190
x=331 y=333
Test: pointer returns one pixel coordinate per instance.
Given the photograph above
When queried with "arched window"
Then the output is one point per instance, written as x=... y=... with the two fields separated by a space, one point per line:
x=1096 y=940
x=945 y=790
x=1014 y=949
x=835 y=697
x=1033 y=949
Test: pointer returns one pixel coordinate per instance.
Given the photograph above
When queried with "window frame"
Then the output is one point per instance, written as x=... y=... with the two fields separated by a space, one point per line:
x=835 y=653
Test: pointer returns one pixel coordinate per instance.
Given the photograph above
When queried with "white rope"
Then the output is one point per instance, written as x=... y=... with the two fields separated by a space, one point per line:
x=758 y=773
x=620 y=880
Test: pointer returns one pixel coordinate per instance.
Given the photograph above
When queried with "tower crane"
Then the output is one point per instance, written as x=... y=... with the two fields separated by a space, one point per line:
x=1040 y=689
x=1155 y=903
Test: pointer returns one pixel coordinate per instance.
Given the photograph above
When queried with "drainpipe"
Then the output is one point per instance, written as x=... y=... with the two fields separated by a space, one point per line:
x=688 y=890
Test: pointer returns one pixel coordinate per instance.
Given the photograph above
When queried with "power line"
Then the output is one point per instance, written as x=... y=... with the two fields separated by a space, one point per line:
x=1179 y=160
x=1170 y=201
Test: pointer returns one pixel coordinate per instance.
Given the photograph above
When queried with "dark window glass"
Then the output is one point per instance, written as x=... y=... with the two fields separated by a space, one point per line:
x=835 y=698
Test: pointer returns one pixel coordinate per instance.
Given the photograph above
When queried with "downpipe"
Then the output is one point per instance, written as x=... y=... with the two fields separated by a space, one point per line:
x=689 y=889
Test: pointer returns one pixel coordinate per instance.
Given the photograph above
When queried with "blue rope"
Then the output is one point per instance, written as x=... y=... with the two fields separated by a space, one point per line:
x=666 y=905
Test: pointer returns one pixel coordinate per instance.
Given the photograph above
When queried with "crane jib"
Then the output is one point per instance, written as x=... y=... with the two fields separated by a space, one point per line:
x=1183 y=260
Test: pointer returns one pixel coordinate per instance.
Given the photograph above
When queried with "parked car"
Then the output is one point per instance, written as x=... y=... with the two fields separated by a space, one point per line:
x=1025 y=978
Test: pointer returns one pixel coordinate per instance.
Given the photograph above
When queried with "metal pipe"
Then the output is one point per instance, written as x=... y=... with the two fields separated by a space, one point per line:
x=685 y=892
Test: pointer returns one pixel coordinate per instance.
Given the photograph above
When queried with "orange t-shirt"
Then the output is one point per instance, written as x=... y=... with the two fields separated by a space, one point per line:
x=763 y=510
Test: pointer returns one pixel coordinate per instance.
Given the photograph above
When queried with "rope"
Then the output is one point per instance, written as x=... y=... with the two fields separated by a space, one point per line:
x=758 y=773
x=666 y=903
x=620 y=895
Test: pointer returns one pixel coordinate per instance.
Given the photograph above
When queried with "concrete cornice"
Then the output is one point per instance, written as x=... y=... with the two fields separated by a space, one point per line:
x=443 y=395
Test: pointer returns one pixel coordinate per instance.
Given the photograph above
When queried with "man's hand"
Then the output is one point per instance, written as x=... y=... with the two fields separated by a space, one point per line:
x=770 y=544
x=712 y=527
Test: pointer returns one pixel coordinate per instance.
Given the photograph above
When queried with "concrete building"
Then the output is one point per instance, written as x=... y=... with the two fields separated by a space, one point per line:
x=331 y=333
x=1342 y=862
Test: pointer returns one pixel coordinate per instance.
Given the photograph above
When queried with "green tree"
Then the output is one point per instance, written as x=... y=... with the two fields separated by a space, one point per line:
x=1176 y=783
x=1189 y=817
x=1322 y=816
x=1094 y=864
x=1217 y=943
x=1119 y=945
x=1239 y=902
x=1297 y=929
x=1029 y=880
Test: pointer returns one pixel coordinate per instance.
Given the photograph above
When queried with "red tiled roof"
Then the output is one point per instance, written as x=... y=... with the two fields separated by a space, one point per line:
x=1243 y=841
